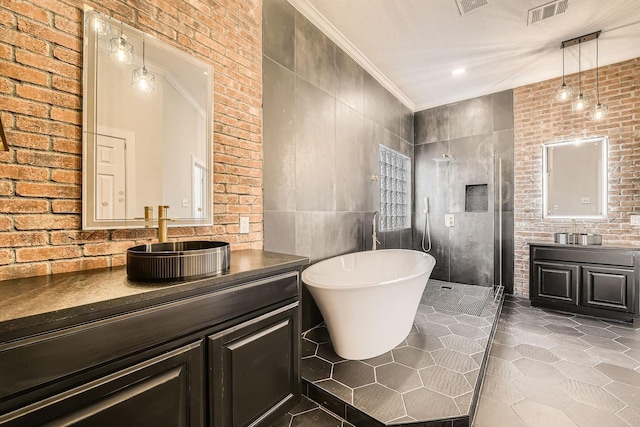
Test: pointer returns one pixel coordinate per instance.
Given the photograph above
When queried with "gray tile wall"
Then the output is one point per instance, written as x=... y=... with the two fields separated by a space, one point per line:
x=324 y=118
x=477 y=132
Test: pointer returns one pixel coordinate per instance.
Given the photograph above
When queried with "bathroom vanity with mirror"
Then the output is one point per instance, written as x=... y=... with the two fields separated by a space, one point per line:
x=147 y=129
x=92 y=348
x=601 y=281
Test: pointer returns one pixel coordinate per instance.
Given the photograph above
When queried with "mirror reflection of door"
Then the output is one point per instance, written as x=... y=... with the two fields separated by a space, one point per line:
x=199 y=188
x=110 y=182
x=115 y=167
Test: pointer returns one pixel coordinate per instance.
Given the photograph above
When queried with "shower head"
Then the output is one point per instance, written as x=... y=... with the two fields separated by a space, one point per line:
x=444 y=158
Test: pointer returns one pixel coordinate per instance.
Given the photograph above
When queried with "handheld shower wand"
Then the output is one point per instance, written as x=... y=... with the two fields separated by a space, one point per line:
x=427 y=231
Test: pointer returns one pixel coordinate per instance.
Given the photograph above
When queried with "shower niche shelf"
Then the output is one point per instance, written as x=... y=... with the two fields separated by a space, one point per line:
x=476 y=198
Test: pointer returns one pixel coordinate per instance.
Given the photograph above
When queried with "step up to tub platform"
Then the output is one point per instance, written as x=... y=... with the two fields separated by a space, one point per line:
x=433 y=378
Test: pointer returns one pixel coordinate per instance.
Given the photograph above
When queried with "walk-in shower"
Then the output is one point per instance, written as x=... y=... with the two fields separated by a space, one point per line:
x=469 y=187
x=426 y=232
x=461 y=224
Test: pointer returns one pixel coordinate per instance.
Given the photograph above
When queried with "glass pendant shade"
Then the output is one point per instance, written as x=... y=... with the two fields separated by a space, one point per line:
x=121 y=50
x=143 y=79
x=580 y=103
x=598 y=112
x=564 y=92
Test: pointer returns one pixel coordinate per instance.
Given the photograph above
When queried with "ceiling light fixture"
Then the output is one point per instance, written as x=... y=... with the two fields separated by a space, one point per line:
x=143 y=79
x=458 y=71
x=564 y=92
x=581 y=102
x=120 y=49
x=598 y=111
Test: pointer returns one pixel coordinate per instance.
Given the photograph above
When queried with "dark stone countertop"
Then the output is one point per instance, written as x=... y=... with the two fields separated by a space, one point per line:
x=29 y=303
x=603 y=246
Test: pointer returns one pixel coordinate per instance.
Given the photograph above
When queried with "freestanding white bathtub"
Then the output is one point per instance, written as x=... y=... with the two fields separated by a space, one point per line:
x=369 y=299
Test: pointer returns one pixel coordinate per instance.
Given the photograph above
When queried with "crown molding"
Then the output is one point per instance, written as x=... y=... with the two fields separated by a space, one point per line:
x=188 y=97
x=317 y=19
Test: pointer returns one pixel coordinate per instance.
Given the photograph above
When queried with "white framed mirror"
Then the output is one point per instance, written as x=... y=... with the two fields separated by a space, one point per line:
x=144 y=145
x=574 y=178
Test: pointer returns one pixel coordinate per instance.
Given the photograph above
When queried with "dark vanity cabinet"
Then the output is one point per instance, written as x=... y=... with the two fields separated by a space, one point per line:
x=163 y=390
x=592 y=280
x=254 y=368
x=225 y=357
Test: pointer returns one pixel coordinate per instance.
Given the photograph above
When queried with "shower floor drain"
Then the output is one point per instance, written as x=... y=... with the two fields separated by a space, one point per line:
x=467 y=299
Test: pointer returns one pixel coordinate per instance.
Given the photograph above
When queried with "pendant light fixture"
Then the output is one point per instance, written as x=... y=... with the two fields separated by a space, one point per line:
x=564 y=92
x=598 y=111
x=120 y=49
x=581 y=102
x=141 y=78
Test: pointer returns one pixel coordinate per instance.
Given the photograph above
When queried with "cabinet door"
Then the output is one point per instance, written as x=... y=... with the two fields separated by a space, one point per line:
x=555 y=282
x=611 y=288
x=163 y=391
x=255 y=369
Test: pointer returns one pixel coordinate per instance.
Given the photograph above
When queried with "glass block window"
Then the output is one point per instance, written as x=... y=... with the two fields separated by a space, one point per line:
x=395 y=190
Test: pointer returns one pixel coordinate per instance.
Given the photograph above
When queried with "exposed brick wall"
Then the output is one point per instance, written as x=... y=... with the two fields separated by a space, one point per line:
x=41 y=104
x=539 y=119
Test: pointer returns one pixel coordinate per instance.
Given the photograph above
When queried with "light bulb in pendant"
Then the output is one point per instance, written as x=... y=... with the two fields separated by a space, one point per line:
x=120 y=49
x=143 y=80
x=564 y=93
x=581 y=103
x=598 y=112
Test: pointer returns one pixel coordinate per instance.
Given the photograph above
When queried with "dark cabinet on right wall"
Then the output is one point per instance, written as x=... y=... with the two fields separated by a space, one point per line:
x=592 y=280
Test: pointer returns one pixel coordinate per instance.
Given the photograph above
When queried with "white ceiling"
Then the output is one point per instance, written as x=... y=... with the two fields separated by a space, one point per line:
x=411 y=46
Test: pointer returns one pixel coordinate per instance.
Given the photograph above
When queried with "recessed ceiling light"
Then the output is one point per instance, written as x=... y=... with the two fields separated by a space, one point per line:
x=458 y=71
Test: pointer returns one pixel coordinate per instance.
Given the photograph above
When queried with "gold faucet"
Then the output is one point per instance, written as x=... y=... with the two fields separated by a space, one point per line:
x=162 y=223
x=148 y=215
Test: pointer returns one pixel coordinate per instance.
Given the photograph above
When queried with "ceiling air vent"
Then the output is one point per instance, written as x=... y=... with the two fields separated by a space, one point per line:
x=547 y=11
x=468 y=6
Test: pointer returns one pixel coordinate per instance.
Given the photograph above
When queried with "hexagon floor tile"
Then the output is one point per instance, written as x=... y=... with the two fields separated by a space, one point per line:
x=546 y=368
x=430 y=376
x=308 y=413
x=574 y=371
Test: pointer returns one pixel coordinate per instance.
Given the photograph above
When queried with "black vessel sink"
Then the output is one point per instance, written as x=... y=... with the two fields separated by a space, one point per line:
x=170 y=261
